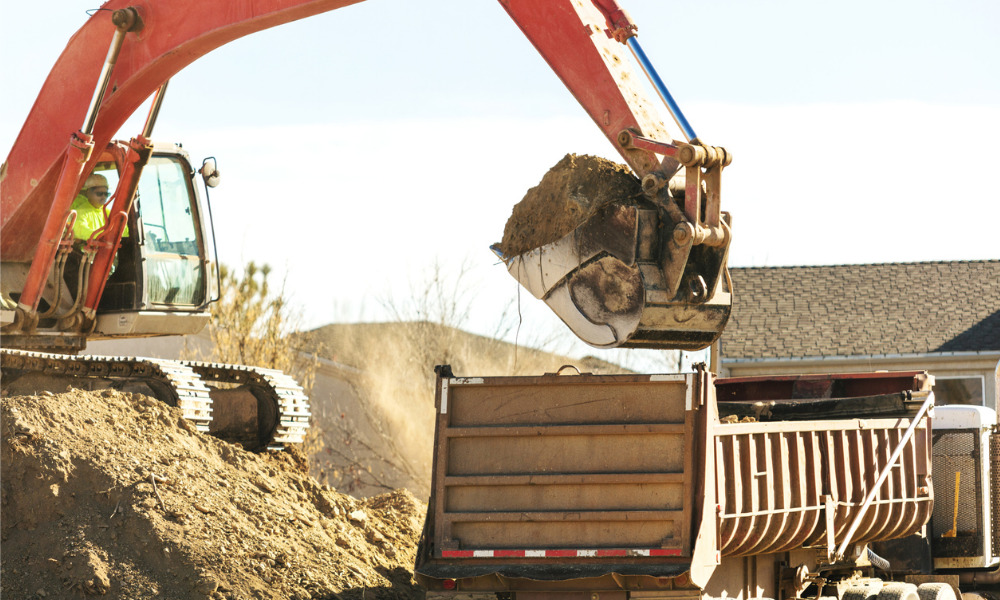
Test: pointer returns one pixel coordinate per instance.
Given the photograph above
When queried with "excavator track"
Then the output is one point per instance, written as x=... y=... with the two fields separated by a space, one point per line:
x=283 y=407
x=262 y=408
x=171 y=381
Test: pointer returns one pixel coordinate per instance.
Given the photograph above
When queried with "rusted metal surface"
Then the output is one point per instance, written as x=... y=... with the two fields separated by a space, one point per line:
x=995 y=489
x=563 y=462
x=569 y=477
x=616 y=283
x=788 y=484
x=784 y=484
x=795 y=387
x=583 y=475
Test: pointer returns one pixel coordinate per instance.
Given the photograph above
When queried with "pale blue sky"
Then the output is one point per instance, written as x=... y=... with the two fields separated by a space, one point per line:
x=395 y=58
x=360 y=145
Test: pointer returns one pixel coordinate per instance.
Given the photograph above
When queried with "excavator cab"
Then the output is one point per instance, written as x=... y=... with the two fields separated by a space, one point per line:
x=165 y=274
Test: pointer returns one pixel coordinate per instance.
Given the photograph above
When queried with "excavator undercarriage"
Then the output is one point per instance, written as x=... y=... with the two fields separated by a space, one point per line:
x=259 y=409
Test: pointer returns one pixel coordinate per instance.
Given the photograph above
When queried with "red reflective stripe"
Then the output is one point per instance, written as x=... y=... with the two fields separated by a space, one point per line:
x=612 y=552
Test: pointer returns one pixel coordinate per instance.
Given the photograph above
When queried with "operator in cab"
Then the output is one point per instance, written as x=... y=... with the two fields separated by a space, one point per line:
x=89 y=206
x=91 y=215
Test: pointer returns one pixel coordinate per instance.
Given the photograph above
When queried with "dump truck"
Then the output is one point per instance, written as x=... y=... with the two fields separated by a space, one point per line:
x=567 y=486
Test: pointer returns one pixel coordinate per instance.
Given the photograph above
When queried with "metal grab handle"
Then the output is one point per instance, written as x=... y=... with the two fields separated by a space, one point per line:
x=883 y=475
x=562 y=368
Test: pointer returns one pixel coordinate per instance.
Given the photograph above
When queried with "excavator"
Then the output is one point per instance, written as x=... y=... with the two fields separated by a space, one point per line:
x=152 y=270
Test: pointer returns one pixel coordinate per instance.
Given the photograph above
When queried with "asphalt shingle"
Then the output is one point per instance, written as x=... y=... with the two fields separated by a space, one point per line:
x=869 y=309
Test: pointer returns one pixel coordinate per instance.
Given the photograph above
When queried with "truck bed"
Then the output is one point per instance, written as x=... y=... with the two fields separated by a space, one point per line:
x=634 y=478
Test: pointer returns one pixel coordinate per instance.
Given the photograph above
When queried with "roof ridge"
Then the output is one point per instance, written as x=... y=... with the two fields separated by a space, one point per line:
x=882 y=264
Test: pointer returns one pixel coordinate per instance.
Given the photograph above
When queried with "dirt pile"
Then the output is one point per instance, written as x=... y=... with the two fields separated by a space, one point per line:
x=567 y=196
x=115 y=495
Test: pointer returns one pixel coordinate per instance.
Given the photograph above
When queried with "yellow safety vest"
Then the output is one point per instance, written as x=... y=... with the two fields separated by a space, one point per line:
x=88 y=218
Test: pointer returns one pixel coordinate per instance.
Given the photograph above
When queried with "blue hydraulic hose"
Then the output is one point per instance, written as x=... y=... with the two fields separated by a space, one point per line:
x=661 y=89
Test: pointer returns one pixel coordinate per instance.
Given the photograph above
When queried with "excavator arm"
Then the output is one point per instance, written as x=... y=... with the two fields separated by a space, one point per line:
x=669 y=286
x=112 y=65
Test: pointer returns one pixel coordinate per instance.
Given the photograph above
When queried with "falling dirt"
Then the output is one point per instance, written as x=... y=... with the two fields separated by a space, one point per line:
x=114 y=495
x=567 y=195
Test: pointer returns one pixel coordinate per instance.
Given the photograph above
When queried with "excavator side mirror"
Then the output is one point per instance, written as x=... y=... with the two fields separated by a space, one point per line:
x=210 y=172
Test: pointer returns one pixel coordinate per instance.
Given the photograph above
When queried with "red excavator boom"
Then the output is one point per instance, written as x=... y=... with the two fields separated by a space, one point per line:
x=164 y=280
x=682 y=294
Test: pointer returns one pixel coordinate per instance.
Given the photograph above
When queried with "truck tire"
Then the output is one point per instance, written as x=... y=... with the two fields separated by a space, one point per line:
x=859 y=592
x=936 y=591
x=899 y=591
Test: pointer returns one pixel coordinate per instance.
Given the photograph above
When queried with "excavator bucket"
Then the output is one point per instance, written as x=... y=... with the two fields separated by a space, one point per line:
x=617 y=281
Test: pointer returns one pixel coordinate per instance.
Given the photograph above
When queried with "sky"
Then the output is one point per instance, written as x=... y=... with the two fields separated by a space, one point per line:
x=361 y=147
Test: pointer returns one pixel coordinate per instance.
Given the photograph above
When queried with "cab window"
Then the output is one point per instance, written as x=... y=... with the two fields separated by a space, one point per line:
x=167 y=207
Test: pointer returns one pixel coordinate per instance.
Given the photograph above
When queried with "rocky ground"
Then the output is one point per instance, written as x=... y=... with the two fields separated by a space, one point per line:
x=113 y=494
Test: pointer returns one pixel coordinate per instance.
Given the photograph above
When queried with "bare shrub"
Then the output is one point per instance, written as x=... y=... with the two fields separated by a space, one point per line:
x=252 y=324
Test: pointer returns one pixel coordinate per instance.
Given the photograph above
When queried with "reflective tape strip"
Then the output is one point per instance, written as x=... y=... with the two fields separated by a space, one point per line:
x=590 y=553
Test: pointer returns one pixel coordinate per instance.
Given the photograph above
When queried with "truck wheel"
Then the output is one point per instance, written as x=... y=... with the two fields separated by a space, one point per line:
x=936 y=591
x=899 y=591
x=859 y=592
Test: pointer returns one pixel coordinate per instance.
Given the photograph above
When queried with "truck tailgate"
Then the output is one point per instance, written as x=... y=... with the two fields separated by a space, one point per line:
x=581 y=475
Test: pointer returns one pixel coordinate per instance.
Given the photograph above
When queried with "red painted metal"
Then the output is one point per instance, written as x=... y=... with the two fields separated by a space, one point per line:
x=573 y=39
x=43 y=175
x=176 y=33
x=644 y=143
x=137 y=154
x=842 y=385
x=595 y=553
x=618 y=20
x=68 y=168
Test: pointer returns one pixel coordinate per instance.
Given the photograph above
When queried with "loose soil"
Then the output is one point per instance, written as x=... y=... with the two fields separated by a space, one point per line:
x=569 y=194
x=113 y=494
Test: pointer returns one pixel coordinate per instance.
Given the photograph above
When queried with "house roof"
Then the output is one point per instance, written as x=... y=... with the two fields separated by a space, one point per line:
x=864 y=310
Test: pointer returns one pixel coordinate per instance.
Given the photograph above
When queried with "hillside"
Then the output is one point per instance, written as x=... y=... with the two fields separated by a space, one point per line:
x=113 y=494
x=373 y=397
x=360 y=344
